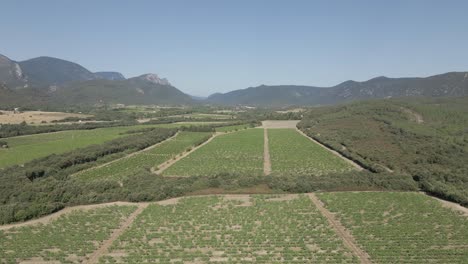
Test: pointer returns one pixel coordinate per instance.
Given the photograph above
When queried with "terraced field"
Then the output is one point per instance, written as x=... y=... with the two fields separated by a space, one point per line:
x=146 y=159
x=231 y=229
x=239 y=152
x=72 y=238
x=26 y=148
x=292 y=153
x=402 y=227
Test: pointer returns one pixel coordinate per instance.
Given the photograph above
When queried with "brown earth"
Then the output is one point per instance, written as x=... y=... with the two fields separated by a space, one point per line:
x=9 y=117
x=280 y=123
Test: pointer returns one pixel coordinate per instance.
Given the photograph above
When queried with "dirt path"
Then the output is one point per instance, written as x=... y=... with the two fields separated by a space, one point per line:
x=414 y=116
x=171 y=162
x=104 y=248
x=266 y=153
x=451 y=205
x=352 y=163
x=127 y=156
x=49 y=218
x=341 y=231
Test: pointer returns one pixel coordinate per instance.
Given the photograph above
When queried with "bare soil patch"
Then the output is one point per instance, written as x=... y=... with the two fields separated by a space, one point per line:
x=453 y=206
x=413 y=115
x=9 y=117
x=341 y=231
x=280 y=123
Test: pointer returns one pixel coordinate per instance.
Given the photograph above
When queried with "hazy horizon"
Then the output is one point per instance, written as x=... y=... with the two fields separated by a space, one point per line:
x=204 y=47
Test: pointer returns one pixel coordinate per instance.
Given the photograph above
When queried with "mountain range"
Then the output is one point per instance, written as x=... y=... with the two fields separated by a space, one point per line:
x=448 y=84
x=46 y=81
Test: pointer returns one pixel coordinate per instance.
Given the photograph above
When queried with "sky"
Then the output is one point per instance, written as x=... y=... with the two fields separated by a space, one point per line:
x=208 y=46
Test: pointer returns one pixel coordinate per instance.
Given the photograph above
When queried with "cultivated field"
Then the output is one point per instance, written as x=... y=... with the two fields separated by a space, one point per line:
x=402 y=227
x=364 y=227
x=239 y=152
x=292 y=153
x=232 y=128
x=70 y=239
x=36 y=117
x=231 y=229
x=146 y=159
x=26 y=148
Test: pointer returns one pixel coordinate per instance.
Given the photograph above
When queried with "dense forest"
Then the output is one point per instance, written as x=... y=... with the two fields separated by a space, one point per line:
x=422 y=138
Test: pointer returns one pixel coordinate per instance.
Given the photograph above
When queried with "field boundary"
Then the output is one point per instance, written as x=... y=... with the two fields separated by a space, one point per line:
x=336 y=153
x=341 y=231
x=451 y=205
x=53 y=216
x=169 y=163
x=104 y=248
x=266 y=153
x=164 y=166
x=127 y=156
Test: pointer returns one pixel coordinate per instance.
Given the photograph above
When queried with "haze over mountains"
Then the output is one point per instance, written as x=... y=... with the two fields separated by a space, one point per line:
x=51 y=81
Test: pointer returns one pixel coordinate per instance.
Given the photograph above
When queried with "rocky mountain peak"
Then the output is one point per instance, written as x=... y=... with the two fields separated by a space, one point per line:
x=154 y=78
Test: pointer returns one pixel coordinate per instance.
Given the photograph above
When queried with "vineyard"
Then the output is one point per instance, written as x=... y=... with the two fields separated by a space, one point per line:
x=391 y=227
x=402 y=227
x=69 y=239
x=26 y=148
x=147 y=159
x=292 y=153
x=231 y=229
x=239 y=152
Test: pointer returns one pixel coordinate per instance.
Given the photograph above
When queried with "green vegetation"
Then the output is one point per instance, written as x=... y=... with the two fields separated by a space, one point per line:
x=234 y=127
x=69 y=239
x=147 y=159
x=237 y=153
x=233 y=229
x=292 y=153
x=423 y=138
x=26 y=148
x=402 y=227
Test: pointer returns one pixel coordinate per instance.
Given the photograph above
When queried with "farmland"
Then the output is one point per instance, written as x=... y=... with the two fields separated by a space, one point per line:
x=402 y=227
x=239 y=152
x=293 y=153
x=69 y=239
x=35 y=117
x=238 y=229
x=26 y=148
x=146 y=159
x=232 y=128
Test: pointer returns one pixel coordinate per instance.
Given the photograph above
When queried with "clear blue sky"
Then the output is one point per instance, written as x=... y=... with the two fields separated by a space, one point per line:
x=219 y=45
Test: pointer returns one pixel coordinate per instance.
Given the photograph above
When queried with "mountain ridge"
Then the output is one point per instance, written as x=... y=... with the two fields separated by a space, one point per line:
x=446 y=84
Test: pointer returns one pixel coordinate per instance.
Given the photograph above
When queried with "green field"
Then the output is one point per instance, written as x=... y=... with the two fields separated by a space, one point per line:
x=292 y=153
x=231 y=229
x=402 y=227
x=232 y=128
x=68 y=239
x=181 y=124
x=26 y=148
x=146 y=159
x=239 y=152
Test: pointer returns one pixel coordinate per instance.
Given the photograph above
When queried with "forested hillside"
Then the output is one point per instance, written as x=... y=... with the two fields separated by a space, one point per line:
x=424 y=138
